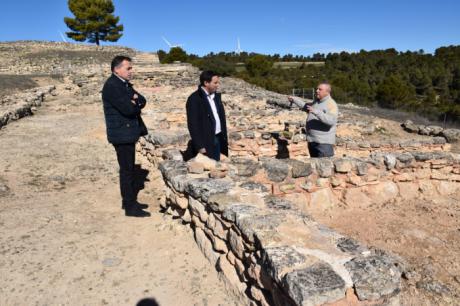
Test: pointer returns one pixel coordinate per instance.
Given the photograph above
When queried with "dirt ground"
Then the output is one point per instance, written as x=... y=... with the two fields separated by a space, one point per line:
x=64 y=239
x=425 y=233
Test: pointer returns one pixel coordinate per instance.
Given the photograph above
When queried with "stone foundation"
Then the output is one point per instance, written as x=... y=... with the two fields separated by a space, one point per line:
x=20 y=105
x=265 y=246
x=451 y=135
x=249 y=213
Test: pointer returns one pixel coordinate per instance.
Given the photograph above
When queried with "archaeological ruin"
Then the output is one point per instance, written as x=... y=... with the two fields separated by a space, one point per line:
x=253 y=213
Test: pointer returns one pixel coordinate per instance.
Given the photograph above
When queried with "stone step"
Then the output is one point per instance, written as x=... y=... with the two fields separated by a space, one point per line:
x=146 y=59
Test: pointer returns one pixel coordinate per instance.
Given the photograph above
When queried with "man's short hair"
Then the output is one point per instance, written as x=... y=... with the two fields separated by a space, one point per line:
x=326 y=83
x=117 y=60
x=206 y=76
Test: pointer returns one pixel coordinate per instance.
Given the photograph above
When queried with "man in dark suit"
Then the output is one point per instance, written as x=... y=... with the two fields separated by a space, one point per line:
x=206 y=118
x=122 y=109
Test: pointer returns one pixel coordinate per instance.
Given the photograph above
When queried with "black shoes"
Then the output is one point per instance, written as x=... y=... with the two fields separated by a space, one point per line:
x=135 y=209
x=140 y=205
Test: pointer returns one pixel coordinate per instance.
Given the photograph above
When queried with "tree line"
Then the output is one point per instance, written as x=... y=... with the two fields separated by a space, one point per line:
x=414 y=81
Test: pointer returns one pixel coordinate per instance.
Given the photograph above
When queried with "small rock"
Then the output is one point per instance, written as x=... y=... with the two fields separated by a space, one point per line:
x=452 y=135
x=217 y=173
x=287 y=187
x=172 y=154
x=207 y=162
x=254 y=186
x=423 y=130
x=277 y=170
x=235 y=136
x=374 y=276
x=3 y=189
x=350 y=245
x=266 y=136
x=195 y=167
x=432 y=286
x=245 y=166
x=439 y=140
x=324 y=167
x=322 y=182
x=315 y=285
x=336 y=182
x=249 y=134
x=434 y=130
x=111 y=262
x=410 y=127
x=299 y=168
x=308 y=186
x=343 y=165
x=390 y=161
x=361 y=168
x=277 y=203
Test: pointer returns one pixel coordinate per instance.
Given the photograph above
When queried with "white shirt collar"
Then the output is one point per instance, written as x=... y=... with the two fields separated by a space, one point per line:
x=208 y=94
x=123 y=80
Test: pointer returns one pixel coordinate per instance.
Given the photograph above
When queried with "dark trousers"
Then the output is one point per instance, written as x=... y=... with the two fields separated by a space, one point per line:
x=126 y=157
x=217 y=147
x=320 y=149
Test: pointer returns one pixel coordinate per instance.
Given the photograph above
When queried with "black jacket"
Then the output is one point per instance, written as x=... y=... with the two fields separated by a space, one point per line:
x=122 y=118
x=202 y=125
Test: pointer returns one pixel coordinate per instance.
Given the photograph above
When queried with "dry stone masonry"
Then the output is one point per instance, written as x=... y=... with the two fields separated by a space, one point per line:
x=16 y=106
x=267 y=248
x=260 y=208
x=250 y=212
x=451 y=135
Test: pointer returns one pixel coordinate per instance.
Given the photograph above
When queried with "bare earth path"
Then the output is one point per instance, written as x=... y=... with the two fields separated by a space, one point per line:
x=63 y=237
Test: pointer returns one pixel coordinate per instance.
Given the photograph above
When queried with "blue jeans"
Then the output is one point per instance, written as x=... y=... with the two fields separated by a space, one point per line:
x=320 y=149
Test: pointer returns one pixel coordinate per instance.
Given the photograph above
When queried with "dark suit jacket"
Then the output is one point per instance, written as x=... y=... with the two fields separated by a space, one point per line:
x=122 y=118
x=202 y=125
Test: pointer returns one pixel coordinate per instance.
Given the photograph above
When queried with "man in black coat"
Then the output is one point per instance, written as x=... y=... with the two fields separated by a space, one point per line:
x=122 y=111
x=206 y=118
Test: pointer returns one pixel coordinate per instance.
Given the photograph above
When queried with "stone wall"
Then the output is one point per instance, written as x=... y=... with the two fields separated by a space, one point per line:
x=270 y=250
x=451 y=135
x=265 y=246
x=382 y=177
x=292 y=144
x=16 y=106
x=255 y=142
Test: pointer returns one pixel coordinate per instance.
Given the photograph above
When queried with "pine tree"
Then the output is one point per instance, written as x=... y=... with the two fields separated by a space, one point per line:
x=94 y=21
x=394 y=92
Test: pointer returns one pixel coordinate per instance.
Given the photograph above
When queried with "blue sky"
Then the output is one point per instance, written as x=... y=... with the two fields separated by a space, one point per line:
x=296 y=27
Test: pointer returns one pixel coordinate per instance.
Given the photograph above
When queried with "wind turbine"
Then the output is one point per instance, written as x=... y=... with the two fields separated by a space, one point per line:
x=171 y=45
x=238 y=49
x=62 y=36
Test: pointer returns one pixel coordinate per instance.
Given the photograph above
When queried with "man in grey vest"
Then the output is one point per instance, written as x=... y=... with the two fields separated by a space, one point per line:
x=321 y=121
